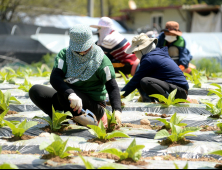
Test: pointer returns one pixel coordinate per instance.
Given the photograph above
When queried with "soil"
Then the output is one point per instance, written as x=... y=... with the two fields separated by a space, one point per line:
x=10 y=112
x=130 y=161
x=169 y=143
x=95 y=154
x=172 y=158
x=209 y=128
x=195 y=101
x=218 y=166
x=9 y=152
x=156 y=115
x=100 y=141
x=59 y=132
x=24 y=137
x=215 y=116
x=136 y=126
x=56 y=159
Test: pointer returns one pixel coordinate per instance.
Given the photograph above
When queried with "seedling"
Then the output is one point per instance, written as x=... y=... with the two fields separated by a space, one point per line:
x=214 y=109
x=8 y=166
x=218 y=90
x=219 y=152
x=41 y=73
x=100 y=132
x=171 y=98
x=7 y=76
x=196 y=78
x=88 y=165
x=23 y=73
x=177 y=167
x=133 y=151
x=19 y=129
x=26 y=86
x=128 y=98
x=124 y=77
x=111 y=120
x=2 y=123
x=219 y=124
x=177 y=134
x=57 y=147
x=6 y=99
x=57 y=119
x=175 y=120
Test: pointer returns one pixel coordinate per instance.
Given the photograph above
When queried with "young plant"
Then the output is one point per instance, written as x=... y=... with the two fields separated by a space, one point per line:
x=197 y=78
x=175 y=120
x=2 y=123
x=177 y=167
x=57 y=119
x=177 y=134
x=19 y=129
x=42 y=74
x=171 y=98
x=57 y=147
x=219 y=124
x=128 y=98
x=8 y=166
x=111 y=120
x=88 y=165
x=124 y=77
x=6 y=99
x=133 y=151
x=216 y=110
x=100 y=132
x=26 y=86
x=218 y=90
x=7 y=76
x=23 y=73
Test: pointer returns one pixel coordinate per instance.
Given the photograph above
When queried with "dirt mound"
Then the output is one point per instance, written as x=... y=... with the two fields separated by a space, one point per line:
x=130 y=161
x=215 y=116
x=24 y=137
x=59 y=132
x=10 y=112
x=136 y=126
x=169 y=143
x=156 y=115
x=209 y=128
x=56 y=159
x=100 y=141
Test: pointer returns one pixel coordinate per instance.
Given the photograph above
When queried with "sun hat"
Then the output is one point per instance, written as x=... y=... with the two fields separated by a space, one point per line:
x=104 y=22
x=172 y=27
x=81 y=38
x=140 y=42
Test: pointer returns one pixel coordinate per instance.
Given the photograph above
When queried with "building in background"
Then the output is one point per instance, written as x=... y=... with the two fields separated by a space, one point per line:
x=192 y=18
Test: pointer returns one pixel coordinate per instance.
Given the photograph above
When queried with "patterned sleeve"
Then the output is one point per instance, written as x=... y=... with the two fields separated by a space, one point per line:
x=60 y=61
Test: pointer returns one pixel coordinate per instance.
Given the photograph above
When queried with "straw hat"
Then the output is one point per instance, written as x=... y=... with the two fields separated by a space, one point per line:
x=140 y=42
x=172 y=27
x=104 y=22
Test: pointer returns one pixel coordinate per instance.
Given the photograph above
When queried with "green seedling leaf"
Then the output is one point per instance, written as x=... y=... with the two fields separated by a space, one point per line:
x=134 y=152
x=47 y=119
x=112 y=166
x=176 y=101
x=219 y=152
x=116 y=134
x=177 y=167
x=87 y=164
x=171 y=96
x=162 y=134
x=113 y=151
x=161 y=98
x=216 y=92
x=124 y=77
x=12 y=98
x=8 y=166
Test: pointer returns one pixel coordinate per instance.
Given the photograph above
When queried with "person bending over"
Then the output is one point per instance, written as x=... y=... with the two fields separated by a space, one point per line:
x=81 y=77
x=114 y=46
x=171 y=37
x=157 y=74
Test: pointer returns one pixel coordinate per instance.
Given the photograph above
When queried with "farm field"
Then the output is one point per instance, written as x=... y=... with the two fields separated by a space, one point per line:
x=152 y=149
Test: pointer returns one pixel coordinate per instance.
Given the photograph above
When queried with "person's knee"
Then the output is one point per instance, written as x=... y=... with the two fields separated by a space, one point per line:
x=33 y=92
x=145 y=83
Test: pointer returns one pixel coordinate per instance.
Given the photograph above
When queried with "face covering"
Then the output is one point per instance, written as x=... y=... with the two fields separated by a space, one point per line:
x=146 y=50
x=170 y=38
x=103 y=32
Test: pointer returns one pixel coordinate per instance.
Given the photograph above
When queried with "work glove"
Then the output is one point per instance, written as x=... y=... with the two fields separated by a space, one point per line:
x=182 y=67
x=75 y=102
x=118 y=117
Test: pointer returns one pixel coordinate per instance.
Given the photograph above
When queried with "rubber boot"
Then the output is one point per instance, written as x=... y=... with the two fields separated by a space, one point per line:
x=144 y=96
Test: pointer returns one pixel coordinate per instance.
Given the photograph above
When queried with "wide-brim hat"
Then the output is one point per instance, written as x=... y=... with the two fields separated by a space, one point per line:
x=81 y=38
x=172 y=27
x=104 y=22
x=140 y=42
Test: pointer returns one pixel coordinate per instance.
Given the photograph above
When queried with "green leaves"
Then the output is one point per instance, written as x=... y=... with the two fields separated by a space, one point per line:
x=100 y=132
x=19 y=129
x=26 y=86
x=57 y=147
x=124 y=77
x=171 y=98
x=214 y=109
x=175 y=120
x=5 y=99
x=219 y=152
x=133 y=151
x=111 y=120
x=177 y=167
x=8 y=166
x=57 y=119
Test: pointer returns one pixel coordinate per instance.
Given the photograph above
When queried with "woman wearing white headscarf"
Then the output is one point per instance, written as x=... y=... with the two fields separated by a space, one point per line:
x=114 y=46
x=81 y=77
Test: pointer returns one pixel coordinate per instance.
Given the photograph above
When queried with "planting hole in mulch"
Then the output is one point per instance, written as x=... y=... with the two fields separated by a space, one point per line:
x=169 y=143
x=209 y=128
x=130 y=161
x=100 y=141
x=10 y=112
x=215 y=116
x=95 y=154
x=218 y=166
x=172 y=158
x=14 y=139
x=59 y=132
x=56 y=159
x=156 y=115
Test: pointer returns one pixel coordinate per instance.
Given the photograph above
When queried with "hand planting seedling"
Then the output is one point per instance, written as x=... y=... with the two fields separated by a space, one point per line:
x=19 y=129
x=216 y=110
x=100 y=132
x=6 y=99
x=178 y=134
x=88 y=165
x=175 y=120
x=171 y=98
x=57 y=119
x=26 y=86
x=196 y=78
x=177 y=167
x=133 y=151
x=111 y=120
x=57 y=147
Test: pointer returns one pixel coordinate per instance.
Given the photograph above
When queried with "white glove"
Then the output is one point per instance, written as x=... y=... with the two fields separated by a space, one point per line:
x=75 y=102
x=118 y=117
